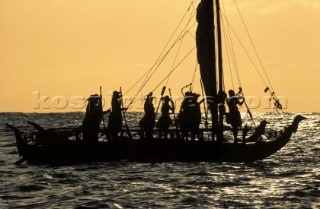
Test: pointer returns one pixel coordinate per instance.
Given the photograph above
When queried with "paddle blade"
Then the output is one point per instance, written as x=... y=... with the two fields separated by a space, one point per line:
x=249 y=112
x=20 y=161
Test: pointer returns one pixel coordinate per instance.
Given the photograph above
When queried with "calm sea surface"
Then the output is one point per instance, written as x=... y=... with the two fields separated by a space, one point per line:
x=288 y=179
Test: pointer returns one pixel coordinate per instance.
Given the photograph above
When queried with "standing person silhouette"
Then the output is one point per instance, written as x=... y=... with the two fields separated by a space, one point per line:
x=92 y=120
x=165 y=121
x=115 y=117
x=189 y=118
x=234 y=117
x=147 y=123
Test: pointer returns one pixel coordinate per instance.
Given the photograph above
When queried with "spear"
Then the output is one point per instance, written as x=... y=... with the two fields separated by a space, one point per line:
x=204 y=105
x=174 y=114
x=245 y=103
x=104 y=125
x=124 y=116
x=162 y=93
x=173 y=106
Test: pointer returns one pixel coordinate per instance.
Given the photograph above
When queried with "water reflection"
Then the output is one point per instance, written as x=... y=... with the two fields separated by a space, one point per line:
x=290 y=178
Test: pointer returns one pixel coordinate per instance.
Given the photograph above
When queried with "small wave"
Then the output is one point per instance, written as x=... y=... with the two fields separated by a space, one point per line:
x=189 y=201
x=288 y=179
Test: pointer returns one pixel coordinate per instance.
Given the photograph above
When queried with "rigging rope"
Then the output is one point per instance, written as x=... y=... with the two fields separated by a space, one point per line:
x=194 y=75
x=158 y=59
x=277 y=104
x=229 y=64
x=175 y=68
x=180 y=37
x=185 y=31
x=158 y=64
x=253 y=45
x=134 y=101
x=255 y=66
x=151 y=72
x=229 y=46
x=143 y=85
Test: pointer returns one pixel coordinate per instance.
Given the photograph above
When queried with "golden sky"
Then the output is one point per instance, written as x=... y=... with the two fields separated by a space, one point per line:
x=69 y=48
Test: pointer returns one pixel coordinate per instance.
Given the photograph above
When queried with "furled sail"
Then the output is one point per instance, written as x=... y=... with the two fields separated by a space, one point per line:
x=205 y=46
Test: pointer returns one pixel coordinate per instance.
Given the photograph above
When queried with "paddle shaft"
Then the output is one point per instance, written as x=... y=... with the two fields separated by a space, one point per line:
x=162 y=93
x=204 y=105
x=102 y=117
x=124 y=116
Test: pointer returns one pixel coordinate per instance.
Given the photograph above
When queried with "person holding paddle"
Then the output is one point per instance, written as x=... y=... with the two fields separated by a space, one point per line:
x=165 y=121
x=147 y=123
x=234 y=117
x=92 y=120
x=115 y=117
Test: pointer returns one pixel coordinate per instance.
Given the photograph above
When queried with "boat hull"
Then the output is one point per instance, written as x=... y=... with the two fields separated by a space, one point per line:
x=149 y=151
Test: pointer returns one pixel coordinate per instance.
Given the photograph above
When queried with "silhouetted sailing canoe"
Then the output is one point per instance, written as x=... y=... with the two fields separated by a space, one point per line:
x=150 y=150
x=55 y=146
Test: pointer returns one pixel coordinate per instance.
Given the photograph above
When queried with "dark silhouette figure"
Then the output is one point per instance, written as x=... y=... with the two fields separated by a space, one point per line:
x=92 y=120
x=165 y=121
x=234 y=117
x=147 y=123
x=220 y=100
x=115 y=117
x=258 y=132
x=189 y=117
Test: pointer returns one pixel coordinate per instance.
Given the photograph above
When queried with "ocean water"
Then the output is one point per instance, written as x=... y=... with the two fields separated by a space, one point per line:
x=288 y=179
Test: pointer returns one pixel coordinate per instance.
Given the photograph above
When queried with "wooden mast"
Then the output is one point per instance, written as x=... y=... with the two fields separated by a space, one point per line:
x=219 y=46
x=221 y=81
x=212 y=46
